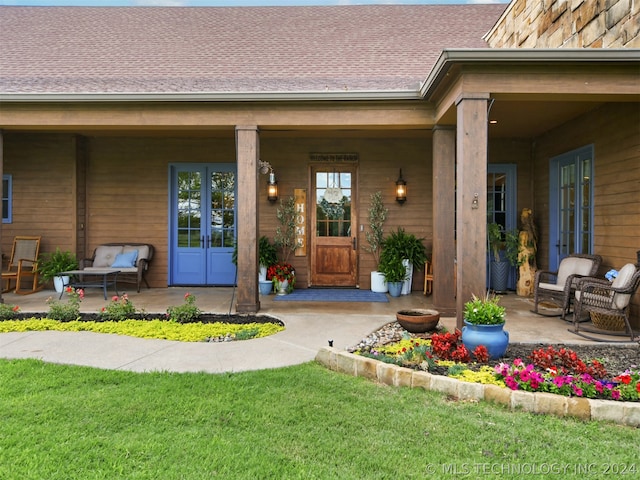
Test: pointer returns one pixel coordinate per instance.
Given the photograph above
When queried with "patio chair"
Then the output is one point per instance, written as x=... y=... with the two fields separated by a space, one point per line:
x=23 y=265
x=560 y=286
x=607 y=303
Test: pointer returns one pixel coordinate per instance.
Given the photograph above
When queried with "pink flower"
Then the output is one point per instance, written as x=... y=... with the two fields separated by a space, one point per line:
x=114 y=298
x=615 y=394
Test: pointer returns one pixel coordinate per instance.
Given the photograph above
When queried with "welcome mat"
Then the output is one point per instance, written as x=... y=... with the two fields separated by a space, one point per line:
x=332 y=295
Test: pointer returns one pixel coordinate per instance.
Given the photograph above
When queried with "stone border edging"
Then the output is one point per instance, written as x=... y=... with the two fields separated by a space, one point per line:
x=623 y=413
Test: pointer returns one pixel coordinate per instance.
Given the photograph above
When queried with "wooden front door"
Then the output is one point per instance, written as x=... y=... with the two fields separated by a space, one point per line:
x=334 y=221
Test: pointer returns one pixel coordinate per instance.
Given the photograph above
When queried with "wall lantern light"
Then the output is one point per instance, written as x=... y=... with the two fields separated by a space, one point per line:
x=401 y=189
x=272 y=184
x=272 y=188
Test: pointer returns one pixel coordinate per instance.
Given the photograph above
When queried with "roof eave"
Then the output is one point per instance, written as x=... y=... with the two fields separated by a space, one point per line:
x=449 y=57
x=310 y=96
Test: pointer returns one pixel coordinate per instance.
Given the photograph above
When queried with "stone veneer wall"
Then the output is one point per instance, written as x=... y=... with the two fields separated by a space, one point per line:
x=568 y=24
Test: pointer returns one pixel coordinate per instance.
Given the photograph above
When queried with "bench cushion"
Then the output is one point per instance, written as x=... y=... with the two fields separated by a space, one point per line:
x=105 y=256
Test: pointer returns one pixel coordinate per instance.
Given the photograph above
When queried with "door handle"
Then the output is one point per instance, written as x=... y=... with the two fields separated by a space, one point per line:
x=355 y=244
x=202 y=241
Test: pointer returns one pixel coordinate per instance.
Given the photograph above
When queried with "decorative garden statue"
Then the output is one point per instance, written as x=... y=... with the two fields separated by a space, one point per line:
x=528 y=239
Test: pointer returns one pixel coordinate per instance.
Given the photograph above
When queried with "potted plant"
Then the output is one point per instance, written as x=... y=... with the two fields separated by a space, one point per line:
x=283 y=277
x=51 y=264
x=394 y=272
x=282 y=273
x=504 y=249
x=267 y=256
x=409 y=249
x=285 y=237
x=375 y=238
x=484 y=323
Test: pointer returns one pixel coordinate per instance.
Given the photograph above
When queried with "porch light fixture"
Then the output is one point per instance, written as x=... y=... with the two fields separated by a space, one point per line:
x=272 y=184
x=272 y=188
x=401 y=189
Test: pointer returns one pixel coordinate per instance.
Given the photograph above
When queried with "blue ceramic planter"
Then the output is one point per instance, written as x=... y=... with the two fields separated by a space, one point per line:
x=494 y=337
x=395 y=288
x=266 y=286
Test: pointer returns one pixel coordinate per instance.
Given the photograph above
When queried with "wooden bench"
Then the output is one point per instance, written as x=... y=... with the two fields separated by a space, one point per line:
x=131 y=259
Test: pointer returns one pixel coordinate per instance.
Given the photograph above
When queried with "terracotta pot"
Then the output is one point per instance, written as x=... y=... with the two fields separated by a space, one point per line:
x=417 y=320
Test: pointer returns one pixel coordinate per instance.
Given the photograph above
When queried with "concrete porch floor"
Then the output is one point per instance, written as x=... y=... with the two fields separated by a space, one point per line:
x=523 y=325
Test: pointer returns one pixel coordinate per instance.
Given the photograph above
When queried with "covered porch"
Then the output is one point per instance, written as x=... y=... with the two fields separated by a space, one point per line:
x=344 y=323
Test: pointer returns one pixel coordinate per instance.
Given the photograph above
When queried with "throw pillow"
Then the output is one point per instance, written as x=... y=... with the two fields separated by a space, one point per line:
x=125 y=260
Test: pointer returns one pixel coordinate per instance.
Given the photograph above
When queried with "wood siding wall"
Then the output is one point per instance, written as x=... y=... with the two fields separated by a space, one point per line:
x=613 y=131
x=43 y=172
x=128 y=189
x=380 y=158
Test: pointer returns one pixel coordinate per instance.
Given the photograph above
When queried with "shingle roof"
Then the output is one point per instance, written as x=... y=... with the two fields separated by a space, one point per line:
x=231 y=49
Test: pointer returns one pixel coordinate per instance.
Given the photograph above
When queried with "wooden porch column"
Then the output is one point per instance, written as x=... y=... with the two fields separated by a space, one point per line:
x=1 y=195
x=471 y=198
x=444 y=197
x=248 y=153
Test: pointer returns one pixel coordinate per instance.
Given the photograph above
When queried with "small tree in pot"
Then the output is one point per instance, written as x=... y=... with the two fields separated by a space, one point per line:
x=375 y=238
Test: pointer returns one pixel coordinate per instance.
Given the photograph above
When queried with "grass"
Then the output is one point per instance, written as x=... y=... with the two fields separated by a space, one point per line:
x=67 y=422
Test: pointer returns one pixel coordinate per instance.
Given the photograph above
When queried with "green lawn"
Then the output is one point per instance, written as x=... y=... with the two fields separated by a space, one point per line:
x=66 y=422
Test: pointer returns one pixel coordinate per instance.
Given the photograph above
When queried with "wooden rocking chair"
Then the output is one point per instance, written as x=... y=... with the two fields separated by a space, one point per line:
x=23 y=265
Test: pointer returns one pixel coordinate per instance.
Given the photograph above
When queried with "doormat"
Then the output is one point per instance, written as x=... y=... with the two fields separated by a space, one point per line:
x=332 y=295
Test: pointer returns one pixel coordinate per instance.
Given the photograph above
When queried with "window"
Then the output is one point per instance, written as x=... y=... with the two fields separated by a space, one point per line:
x=7 y=183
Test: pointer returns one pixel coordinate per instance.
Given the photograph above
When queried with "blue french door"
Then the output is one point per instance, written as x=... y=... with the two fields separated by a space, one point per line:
x=203 y=224
x=570 y=205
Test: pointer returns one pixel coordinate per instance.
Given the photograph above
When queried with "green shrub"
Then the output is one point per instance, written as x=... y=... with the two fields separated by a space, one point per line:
x=66 y=312
x=8 y=311
x=120 y=308
x=186 y=313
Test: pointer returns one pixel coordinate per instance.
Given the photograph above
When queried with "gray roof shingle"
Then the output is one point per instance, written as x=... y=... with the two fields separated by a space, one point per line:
x=231 y=49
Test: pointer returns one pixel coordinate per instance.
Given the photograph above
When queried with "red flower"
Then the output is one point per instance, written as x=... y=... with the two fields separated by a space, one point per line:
x=481 y=353
x=280 y=271
x=624 y=378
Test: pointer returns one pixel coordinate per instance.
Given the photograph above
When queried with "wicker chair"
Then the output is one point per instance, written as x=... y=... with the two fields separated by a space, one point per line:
x=560 y=286
x=607 y=303
x=23 y=265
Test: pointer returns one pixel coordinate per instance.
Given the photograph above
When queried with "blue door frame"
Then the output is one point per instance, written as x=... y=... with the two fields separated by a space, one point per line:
x=202 y=214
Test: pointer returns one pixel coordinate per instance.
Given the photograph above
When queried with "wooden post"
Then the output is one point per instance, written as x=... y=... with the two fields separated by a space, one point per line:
x=471 y=198
x=247 y=151
x=1 y=196
x=444 y=187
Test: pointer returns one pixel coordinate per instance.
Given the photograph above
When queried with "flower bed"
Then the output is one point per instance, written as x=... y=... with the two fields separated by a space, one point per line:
x=184 y=322
x=551 y=369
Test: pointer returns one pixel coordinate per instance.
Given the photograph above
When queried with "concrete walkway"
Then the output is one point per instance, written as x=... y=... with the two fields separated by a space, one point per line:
x=309 y=326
